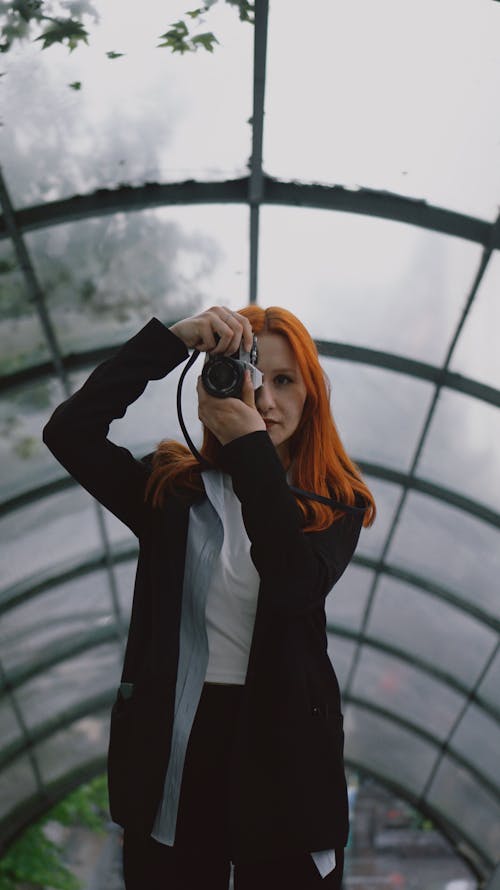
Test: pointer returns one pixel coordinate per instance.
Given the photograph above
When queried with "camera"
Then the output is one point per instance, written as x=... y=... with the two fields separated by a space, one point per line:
x=222 y=375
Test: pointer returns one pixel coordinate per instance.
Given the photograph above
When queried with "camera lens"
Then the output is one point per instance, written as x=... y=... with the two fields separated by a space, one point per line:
x=222 y=377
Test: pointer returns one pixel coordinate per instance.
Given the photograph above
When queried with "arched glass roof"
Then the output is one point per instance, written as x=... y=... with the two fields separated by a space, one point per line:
x=365 y=199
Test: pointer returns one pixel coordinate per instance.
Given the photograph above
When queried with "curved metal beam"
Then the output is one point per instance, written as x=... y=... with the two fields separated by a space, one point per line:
x=66 y=570
x=67 y=716
x=417 y=730
x=482 y=266
x=432 y=489
x=104 y=202
x=34 y=808
x=126 y=551
x=371 y=202
x=416 y=661
x=37 y=805
x=75 y=644
x=478 y=862
x=411 y=368
x=382 y=204
x=448 y=741
x=377 y=471
x=494 y=879
x=97 y=703
x=37 y=297
x=422 y=583
x=61 y=650
x=344 y=351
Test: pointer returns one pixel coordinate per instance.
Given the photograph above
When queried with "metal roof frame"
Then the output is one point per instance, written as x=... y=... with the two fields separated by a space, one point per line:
x=255 y=190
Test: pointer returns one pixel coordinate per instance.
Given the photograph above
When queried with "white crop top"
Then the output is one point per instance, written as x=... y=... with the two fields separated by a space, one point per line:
x=232 y=597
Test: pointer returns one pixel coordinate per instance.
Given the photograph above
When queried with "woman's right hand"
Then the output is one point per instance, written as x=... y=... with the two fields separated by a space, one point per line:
x=198 y=331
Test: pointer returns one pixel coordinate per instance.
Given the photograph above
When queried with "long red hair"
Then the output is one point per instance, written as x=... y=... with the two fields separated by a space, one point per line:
x=319 y=461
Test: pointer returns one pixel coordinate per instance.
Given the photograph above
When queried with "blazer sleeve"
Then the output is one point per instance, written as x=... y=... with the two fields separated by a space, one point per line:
x=76 y=434
x=299 y=568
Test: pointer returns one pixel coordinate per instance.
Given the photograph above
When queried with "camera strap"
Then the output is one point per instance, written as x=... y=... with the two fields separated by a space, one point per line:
x=192 y=447
x=299 y=492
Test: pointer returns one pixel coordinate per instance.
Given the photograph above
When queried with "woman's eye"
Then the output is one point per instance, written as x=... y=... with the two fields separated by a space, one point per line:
x=282 y=379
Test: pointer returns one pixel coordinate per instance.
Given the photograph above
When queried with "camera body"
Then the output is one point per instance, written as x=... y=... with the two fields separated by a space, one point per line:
x=222 y=375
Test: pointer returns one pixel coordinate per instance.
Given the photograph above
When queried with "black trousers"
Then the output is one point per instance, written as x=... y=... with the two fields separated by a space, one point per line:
x=200 y=857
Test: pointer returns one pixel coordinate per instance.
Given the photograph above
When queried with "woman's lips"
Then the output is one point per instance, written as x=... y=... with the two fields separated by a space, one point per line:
x=270 y=422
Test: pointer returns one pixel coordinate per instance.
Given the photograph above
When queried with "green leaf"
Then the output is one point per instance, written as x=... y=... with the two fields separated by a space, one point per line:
x=246 y=10
x=178 y=29
x=76 y=85
x=26 y=447
x=113 y=55
x=207 y=40
x=34 y=859
x=14 y=29
x=64 y=30
x=7 y=265
x=175 y=39
x=194 y=13
x=28 y=9
x=177 y=45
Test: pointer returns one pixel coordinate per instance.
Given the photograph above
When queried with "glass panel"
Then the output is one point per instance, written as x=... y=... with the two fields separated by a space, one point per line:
x=11 y=730
x=346 y=603
x=105 y=277
x=17 y=782
x=363 y=110
x=364 y=281
x=25 y=462
x=468 y=805
x=389 y=751
x=451 y=548
x=494 y=879
x=30 y=630
x=387 y=495
x=406 y=691
x=125 y=576
x=73 y=747
x=53 y=529
x=490 y=686
x=153 y=416
x=477 y=738
x=461 y=450
x=369 y=404
x=20 y=331
x=341 y=652
x=148 y=116
x=421 y=624
x=70 y=683
x=477 y=354
x=120 y=534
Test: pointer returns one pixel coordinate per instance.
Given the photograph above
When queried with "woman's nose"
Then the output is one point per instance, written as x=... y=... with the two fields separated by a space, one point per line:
x=264 y=399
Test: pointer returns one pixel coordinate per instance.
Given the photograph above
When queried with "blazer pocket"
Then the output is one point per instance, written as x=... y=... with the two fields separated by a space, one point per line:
x=126 y=691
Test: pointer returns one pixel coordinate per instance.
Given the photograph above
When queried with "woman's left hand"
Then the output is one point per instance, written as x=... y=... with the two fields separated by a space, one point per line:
x=229 y=419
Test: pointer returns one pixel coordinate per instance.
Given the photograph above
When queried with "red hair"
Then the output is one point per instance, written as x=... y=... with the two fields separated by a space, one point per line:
x=319 y=461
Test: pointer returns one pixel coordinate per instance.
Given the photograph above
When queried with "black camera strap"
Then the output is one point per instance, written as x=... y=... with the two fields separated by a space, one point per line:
x=310 y=495
x=192 y=447
x=330 y=502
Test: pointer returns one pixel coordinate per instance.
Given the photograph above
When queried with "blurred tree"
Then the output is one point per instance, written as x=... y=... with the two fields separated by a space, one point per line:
x=35 y=859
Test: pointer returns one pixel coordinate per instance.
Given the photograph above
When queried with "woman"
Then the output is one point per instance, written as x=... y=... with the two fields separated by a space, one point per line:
x=226 y=738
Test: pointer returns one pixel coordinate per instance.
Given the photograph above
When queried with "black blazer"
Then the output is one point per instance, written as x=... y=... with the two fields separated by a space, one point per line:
x=288 y=791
